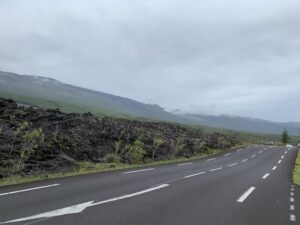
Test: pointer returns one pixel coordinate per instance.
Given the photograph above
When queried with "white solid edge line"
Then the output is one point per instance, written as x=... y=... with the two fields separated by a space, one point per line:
x=29 y=189
x=211 y=159
x=265 y=176
x=245 y=160
x=245 y=195
x=233 y=164
x=216 y=169
x=193 y=175
x=80 y=207
x=292 y=217
x=137 y=171
x=227 y=154
x=184 y=164
x=274 y=168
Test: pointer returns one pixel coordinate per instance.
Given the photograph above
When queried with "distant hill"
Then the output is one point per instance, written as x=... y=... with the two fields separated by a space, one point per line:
x=47 y=92
x=243 y=123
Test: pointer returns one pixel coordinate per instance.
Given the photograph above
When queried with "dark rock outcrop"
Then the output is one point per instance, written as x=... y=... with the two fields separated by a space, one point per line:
x=71 y=138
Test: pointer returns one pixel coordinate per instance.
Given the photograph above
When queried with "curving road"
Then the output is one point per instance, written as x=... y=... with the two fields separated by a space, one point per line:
x=249 y=186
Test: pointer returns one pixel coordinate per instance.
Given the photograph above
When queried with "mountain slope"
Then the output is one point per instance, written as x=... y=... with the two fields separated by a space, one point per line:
x=243 y=123
x=47 y=92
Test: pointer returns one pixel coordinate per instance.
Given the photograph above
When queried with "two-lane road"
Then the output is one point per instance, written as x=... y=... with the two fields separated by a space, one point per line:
x=249 y=186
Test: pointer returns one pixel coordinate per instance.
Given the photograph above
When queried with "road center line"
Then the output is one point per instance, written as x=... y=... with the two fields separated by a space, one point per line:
x=245 y=195
x=216 y=169
x=193 y=175
x=29 y=189
x=227 y=154
x=211 y=159
x=137 y=171
x=245 y=160
x=234 y=164
x=265 y=176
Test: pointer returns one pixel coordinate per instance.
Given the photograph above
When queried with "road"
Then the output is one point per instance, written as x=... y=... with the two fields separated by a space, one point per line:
x=248 y=186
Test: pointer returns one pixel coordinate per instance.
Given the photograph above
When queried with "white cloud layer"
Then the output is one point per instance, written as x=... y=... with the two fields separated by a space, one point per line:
x=218 y=56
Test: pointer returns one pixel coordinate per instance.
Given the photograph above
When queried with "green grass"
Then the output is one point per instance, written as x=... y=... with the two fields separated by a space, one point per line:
x=296 y=172
x=88 y=168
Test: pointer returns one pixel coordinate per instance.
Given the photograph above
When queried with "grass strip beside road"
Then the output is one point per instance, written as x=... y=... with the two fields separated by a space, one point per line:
x=88 y=168
x=296 y=172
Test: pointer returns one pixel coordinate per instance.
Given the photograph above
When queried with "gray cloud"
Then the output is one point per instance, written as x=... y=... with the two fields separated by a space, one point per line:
x=219 y=57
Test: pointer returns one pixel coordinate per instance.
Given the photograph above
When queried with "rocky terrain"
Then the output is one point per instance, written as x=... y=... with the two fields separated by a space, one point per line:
x=39 y=141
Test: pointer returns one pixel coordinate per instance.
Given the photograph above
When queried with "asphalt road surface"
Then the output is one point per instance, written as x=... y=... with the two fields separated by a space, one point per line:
x=249 y=186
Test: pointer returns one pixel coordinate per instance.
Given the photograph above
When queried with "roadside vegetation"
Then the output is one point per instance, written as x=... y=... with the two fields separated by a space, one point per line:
x=40 y=144
x=296 y=172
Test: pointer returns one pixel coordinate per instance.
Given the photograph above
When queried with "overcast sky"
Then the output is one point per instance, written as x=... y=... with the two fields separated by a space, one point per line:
x=215 y=57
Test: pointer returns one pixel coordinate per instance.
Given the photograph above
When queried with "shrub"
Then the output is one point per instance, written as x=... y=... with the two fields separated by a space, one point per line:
x=135 y=152
x=31 y=141
x=157 y=142
x=180 y=146
x=200 y=146
x=111 y=158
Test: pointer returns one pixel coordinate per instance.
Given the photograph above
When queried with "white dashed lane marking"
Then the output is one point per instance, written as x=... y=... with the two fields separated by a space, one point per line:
x=185 y=164
x=265 y=176
x=274 y=168
x=245 y=160
x=233 y=164
x=211 y=159
x=196 y=174
x=292 y=217
x=216 y=169
x=227 y=154
x=138 y=171
x=245 y=195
